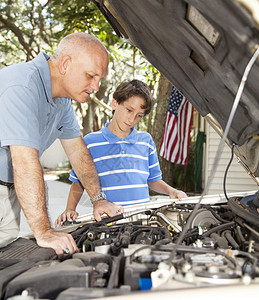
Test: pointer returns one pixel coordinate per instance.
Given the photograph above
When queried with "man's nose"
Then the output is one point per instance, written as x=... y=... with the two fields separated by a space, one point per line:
x=95 y=85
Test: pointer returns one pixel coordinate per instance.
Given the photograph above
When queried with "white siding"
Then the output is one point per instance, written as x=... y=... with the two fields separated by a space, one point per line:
x=237 y=178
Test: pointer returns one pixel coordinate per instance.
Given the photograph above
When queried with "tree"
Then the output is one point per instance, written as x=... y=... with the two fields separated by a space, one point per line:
x=25 y=29
x=163 y=96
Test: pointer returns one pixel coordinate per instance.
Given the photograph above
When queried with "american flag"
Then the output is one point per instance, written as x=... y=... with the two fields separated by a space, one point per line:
x=176 y=136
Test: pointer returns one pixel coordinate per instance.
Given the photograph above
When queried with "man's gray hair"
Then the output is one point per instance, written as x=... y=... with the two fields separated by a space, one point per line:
x=78 y=40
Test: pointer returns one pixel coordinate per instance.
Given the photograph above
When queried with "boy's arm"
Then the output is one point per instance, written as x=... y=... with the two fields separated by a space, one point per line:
x=70 y=212
x=162 y=187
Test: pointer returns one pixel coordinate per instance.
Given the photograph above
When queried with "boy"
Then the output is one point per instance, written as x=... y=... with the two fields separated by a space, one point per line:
x=125 y=159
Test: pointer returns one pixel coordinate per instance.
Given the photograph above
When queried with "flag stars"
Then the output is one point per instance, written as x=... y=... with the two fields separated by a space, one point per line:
x=175 y=101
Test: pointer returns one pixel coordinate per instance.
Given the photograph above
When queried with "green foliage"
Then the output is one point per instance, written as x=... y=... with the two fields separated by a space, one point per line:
x=81 y=15
x=28 y=27
x=25 y=29
x=64 y=176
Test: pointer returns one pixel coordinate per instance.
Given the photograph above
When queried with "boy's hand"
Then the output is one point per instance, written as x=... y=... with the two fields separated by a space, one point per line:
x=67 y=215
x=106 y=207
x=177 y=194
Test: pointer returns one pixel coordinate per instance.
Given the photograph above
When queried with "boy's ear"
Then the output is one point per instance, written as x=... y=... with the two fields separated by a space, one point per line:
x=114 y=104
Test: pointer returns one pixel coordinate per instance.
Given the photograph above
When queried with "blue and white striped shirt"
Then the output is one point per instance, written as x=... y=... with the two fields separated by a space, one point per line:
x=124 y=166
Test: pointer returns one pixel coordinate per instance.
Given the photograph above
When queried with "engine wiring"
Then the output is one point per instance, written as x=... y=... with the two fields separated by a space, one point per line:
x=226 y=171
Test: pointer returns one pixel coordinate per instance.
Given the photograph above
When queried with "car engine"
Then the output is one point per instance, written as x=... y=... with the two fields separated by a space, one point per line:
x=144 y=249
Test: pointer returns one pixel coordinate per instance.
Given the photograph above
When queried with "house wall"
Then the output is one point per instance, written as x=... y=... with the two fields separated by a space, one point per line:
x=237 y=178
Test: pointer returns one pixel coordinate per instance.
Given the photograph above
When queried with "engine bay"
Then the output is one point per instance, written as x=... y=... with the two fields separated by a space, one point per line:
x=140 y=251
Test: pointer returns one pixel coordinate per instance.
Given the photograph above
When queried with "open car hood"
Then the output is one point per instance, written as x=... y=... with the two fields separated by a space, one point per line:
x=202 y=47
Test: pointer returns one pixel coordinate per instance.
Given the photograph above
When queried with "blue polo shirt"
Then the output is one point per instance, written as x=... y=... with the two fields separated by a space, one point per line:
x=124 y=166
x=28 y=114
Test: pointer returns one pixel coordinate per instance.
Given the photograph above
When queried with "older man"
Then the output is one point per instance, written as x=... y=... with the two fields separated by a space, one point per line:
x=35 y=110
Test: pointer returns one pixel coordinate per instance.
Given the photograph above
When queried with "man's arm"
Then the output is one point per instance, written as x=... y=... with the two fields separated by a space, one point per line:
x=30 y=190
x=84 y=167
x=162 y=187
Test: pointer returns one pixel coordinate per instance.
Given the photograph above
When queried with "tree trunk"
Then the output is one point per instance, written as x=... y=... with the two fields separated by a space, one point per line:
x=91 y=121
x=164 y=91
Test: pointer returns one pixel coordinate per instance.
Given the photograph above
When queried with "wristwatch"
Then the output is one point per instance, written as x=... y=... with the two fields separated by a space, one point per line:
x=100 y=196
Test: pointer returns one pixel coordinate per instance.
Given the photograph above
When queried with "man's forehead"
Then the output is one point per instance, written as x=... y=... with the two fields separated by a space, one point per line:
x=97 y=67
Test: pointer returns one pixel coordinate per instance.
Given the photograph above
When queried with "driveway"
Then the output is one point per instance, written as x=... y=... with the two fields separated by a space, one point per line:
x=57 y=198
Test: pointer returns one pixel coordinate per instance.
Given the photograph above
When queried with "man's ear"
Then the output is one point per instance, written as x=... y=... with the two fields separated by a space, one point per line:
x=114 y=104
x=64 y=64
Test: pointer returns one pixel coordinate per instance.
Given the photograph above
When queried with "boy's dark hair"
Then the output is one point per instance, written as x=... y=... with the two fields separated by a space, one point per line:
x=134 y=88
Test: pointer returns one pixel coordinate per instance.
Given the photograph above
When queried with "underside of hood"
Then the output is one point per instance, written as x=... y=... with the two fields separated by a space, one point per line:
x=202 y=47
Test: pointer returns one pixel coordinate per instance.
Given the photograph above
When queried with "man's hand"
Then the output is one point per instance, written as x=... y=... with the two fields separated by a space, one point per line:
x=106 y=207
x=63 y=243
x=67 y=215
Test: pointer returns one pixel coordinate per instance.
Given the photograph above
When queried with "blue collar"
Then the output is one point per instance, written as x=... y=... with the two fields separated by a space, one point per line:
x=112 y=138
x=41 y=62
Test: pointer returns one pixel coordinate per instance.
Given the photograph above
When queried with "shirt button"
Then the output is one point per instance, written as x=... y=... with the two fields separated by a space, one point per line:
x=123 y=152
